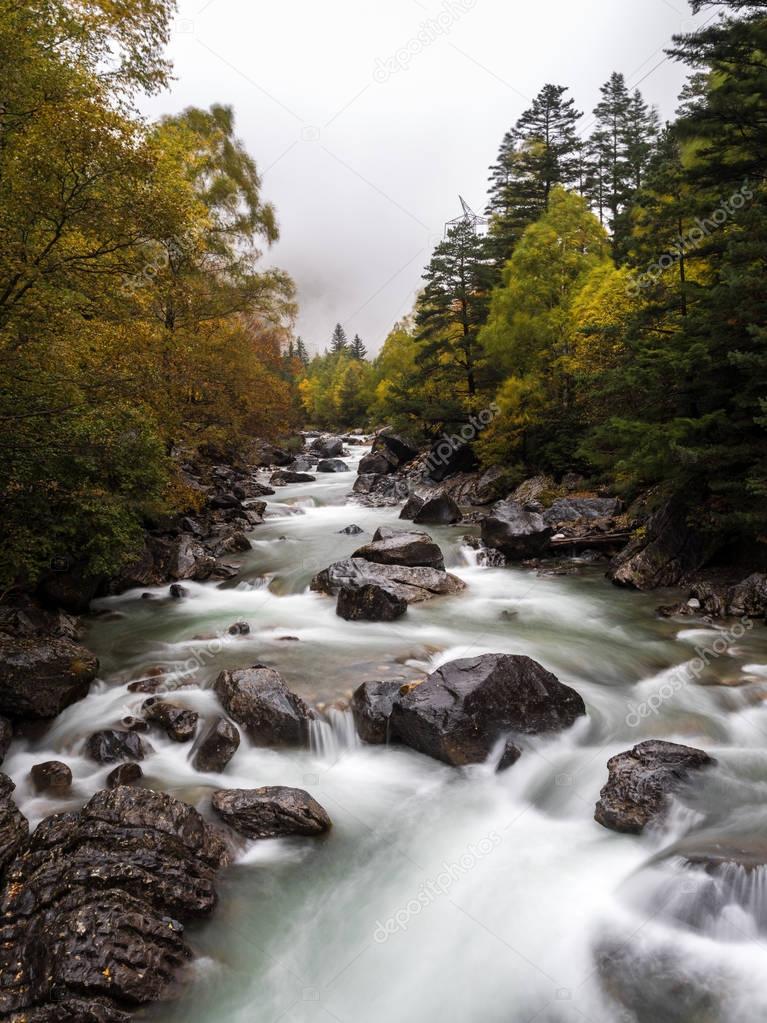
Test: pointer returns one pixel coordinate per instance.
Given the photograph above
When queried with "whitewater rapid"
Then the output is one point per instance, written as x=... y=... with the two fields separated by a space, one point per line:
x=442 y=895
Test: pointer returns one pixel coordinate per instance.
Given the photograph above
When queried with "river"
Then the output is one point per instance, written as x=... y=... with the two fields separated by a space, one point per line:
x=442 y=895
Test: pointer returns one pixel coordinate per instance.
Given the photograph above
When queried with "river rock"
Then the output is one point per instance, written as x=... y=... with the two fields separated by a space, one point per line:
x=515 y=531
x=177 y=592
x=641 y=780
x=53 y=776
x=332 y=465
x=14 y=828
x=111 y=745
x=411 y=507
x=371 y=706
x=94 y=906
x=667 y=552
x=6 y=737
x=271 y=812
x=402 y=547
x=375 y=463
x=377 y=491
x=394 y=448
x=438 y=511
x=239 y=629
x=370 y=602
x=179 y=723
x=327 y=447
x=258 y=699
x=39 y=677
x=580 y=509
x=412 y=584
x=271 y=455
x=216 y=746
x=352 y=530
x=747 y=599
x=462 y=709
x=283 y=477
x=124 y=774
x=302 y=463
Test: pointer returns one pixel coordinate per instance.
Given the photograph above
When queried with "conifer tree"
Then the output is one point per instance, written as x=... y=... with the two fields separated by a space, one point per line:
x=301 y=352
x=358 y=349
x=338 y=342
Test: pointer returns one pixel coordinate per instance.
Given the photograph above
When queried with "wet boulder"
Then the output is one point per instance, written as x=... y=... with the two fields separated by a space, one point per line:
x=377 y=491
x=258 y=699
x=124 y=774
x=371 y=707
x=581 y=509
x=52 y=777
x=352 y=530
x=110 y=745
x=411 y=507
x=327 y=447
x=397 y=451
x=464 y=708
x=745 y=599
x=94 y=907
x=14 y=828
x=216 y=746
x=516 y=531
x=370 y=602
x=375 y=463
x=41 y=676
x=284 y=477
x=179 y=724
x=667 y=552
x=271 y=812
x=302 y=463
x=413 y=584
x=332 y=465
x=438 y=511
x=402 y=547
x=642 y=779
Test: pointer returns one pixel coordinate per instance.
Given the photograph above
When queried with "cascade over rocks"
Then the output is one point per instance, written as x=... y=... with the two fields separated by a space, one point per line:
x=516 y=531
x=40 y=676
x=95 y=902
x=271 y=812
x=641 y=780
x=258 y=699
x=462 y=709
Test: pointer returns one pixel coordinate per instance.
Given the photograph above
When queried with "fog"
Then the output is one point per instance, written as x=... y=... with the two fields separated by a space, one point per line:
x=368 y=120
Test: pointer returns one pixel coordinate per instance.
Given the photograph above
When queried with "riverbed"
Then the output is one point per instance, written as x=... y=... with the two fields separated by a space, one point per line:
x=442 y=895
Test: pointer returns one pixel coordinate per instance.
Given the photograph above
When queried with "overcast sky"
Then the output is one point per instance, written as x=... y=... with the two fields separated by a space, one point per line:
x=367 y=119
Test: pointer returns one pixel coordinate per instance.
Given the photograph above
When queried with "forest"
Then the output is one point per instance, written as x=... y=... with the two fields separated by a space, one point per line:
x=613 y=311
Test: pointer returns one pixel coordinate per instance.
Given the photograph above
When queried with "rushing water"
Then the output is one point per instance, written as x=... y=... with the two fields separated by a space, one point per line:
x=441 y=895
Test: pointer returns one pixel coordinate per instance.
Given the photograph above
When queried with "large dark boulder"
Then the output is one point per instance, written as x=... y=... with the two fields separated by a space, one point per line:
x=375 y=463
x=516 y=531
x=14 y=828
x=402 y=547
x=216 y=746
x=413 y=584
x=39 y=677
x=641 y=780
x=411 y=507
x=268 y=455
x=284 y=477
x=376 y=491
x=667 y=552
x=370 y=602
x=371 y=706
x=395 y=449
x=462 y=709
x=111 y=745
x=327 y=447
x=746 y=599
x=438 y=511
x=332 y=465
x=271 y=812
x=94 y=906
x=447 y=458
x=258 y=699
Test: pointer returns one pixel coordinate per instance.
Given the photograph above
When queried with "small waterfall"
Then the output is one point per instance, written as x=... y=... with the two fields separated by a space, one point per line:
x=331 y=736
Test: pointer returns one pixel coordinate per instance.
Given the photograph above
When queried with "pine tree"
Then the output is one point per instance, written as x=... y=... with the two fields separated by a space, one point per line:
x=541 y=151
x=358 y=349
x=450 y=312
x=338 y=342
x=301 y=352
